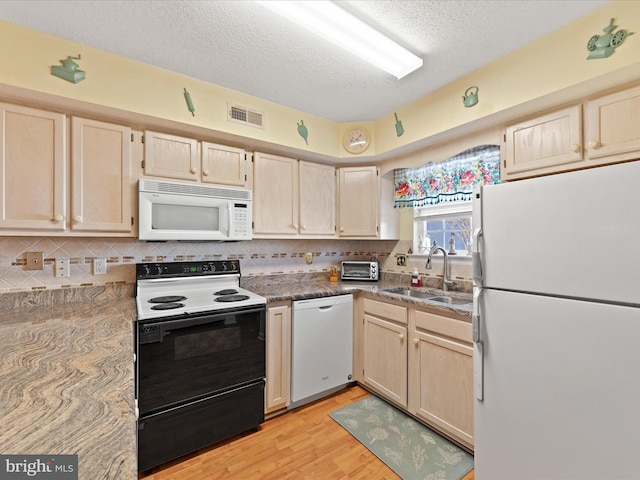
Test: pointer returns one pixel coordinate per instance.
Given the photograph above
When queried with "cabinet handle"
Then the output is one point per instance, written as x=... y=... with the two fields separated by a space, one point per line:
x=594 y=144
x=194 y=170
x=205 y=173
x=303 y=227
x=342 y=229
x=77 y=219
x=401 y=336
x=58 y=218
x=295 y=226
x=416 y=341
x=575 y=147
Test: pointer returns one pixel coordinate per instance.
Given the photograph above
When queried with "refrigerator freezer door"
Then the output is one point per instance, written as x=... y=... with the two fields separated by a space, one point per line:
x=561 y=389
x=574 y=234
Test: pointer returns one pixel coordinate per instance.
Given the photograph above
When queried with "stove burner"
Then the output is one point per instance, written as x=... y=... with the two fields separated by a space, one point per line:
x=228 y=291
x=167 y=306
x=167 y=299
x=232 y=298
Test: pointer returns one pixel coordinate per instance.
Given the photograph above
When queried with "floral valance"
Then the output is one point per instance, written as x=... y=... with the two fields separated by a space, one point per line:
x=448 y=181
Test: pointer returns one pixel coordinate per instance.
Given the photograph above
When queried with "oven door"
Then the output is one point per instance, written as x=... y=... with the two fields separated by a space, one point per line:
x=180 y=360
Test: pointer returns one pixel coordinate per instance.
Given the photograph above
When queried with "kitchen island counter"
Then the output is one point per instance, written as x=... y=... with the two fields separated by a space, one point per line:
x=67 y=380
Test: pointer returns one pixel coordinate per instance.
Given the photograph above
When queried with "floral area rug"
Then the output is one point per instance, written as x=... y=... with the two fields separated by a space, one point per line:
x=409 y=448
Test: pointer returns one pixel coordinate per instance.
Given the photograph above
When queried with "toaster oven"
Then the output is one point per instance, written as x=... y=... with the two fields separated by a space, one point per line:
x=367 y=271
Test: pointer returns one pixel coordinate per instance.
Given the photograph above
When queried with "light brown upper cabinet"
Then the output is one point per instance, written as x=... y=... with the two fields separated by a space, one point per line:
x=101 y=195
x=181 y=158
x=293 y=198
x=33 y=177
x=554 y=143
x=50 y=189
x=612 y=130
x=358 y=201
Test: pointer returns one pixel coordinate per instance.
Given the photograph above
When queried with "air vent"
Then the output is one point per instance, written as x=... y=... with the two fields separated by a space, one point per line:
x=238 y=114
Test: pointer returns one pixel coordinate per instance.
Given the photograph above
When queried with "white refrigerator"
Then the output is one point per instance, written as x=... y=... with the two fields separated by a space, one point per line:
x=556 y=326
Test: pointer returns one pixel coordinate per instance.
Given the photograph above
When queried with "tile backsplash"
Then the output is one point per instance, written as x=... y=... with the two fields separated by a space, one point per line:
x=257 y=257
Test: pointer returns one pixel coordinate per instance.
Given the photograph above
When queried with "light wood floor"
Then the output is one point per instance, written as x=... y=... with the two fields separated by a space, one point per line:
x=304 y=444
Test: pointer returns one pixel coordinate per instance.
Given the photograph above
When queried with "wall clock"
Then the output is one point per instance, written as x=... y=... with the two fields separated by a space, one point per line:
x=356 y=140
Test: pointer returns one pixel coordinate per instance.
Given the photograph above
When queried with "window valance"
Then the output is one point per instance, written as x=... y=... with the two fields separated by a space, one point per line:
x=448 y=181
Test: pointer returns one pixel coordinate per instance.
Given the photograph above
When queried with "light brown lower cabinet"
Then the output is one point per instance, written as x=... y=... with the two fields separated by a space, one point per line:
x=441 y=374
x=278 y=357
x=421 y=360
x=385 y=350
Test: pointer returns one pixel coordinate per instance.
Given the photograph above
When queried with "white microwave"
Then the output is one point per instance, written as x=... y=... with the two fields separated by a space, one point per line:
x=177 y=211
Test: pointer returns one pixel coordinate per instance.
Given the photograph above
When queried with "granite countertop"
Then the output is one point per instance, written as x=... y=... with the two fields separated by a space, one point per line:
x=67 y=371
x=67 y=383
x=275 y=289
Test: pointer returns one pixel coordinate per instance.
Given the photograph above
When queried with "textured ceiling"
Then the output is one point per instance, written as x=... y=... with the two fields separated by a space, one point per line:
x=245 y=47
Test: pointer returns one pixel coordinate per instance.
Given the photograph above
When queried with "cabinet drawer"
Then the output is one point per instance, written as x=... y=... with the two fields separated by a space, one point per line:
x=450 y=327
x=386 y=310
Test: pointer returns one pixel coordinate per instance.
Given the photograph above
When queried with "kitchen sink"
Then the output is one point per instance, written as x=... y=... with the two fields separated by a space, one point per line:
x=408 y=292
x=451 y=300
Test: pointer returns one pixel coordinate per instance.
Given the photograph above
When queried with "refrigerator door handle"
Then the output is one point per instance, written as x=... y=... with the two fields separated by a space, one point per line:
x=475 y=316
x=476 y=259
x=478 y=346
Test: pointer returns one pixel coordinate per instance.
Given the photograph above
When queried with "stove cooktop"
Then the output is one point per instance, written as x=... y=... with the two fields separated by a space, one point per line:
x=196 y=300
x=173 y=289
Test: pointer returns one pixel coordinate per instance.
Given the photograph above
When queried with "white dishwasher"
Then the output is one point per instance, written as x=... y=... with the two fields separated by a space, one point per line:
x=321 y=347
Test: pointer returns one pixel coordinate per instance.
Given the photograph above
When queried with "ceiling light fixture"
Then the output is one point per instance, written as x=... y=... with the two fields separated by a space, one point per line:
x=340 y=27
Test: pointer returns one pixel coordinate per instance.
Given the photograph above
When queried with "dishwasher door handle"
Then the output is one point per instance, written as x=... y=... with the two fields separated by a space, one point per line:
x=326 y=307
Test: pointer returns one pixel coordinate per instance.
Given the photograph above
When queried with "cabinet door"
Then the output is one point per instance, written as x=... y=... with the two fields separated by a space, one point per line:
x=358 y=202
x=613 y=127
x=100 y=176
x=548 y=143
x=278 y=361
x=171 y=156
x=275 y=195
x=441 y=375
x=223 y=165
x=385 y=358
x=33 y=174
x=317 y=199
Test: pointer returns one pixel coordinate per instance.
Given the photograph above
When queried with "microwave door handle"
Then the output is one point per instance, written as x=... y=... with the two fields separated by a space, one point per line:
x=230 y=222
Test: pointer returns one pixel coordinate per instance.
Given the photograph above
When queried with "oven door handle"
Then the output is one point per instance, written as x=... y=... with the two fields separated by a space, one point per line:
x=178 y=324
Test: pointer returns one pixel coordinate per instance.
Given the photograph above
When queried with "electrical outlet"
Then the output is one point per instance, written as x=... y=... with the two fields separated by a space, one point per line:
x=99 y=266
x=62 y=267
x=308 y=257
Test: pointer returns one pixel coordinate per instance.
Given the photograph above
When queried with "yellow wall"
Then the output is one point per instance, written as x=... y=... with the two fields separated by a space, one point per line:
x=552 y=64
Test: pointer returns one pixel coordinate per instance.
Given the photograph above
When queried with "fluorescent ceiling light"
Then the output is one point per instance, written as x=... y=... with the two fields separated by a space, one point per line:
x=349 y=32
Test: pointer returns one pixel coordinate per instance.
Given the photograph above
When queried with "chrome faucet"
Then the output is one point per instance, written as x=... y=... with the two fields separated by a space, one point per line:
x=446 y=282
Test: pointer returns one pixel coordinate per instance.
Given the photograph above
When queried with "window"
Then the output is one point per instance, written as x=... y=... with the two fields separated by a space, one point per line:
x=440 y=195
x=442 y=224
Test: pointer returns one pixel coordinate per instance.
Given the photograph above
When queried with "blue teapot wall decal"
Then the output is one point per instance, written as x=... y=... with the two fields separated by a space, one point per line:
x=470 y=97
x=601 y=46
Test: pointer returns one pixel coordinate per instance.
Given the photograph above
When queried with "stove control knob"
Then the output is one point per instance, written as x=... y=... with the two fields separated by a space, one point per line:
x=159 y=268
x=147 y=271
x=224 y=266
